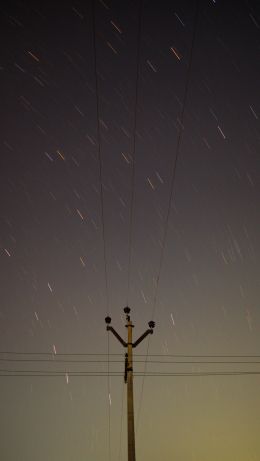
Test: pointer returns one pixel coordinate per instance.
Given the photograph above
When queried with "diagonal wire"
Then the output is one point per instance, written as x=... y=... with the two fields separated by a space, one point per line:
x=109 y=398
x=174 y=168
x=102 y=211
x=176 y=158
x=99 y=153
x=121 y=424
x=130 y=242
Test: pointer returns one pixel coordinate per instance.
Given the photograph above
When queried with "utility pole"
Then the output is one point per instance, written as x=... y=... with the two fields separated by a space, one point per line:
x=129 y=374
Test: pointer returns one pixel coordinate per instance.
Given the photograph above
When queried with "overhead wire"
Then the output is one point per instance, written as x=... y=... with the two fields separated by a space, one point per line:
x=54 y=361
x=174 y=169
x=109 y=398
x=33 y=373
x=99 y=152
x=102 y=209
x=121 y=422
x=65 y=354
x=130 y=242
x=93 y=354
x=172 y=184
x=201 y=366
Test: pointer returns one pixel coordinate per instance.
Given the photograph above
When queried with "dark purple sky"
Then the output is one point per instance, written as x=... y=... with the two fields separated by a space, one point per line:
x=53 y=285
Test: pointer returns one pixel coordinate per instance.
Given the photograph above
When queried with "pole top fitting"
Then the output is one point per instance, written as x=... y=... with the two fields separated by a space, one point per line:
x=127 y=310
x=108 y=319
x=151 y=324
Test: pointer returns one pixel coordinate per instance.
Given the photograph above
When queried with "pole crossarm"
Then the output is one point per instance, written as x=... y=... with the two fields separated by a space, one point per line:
x=117 y=335
x=139 y=340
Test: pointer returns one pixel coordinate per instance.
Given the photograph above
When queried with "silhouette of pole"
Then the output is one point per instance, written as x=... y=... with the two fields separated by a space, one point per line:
x=129 y=374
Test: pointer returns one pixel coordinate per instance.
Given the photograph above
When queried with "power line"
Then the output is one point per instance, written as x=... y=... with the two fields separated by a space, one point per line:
x=110 y=372
x=16 y=373
x=102 y=205
x=99 y=152
x=109 y=399
x=56 y=354
x=179 y=138
x=130 y=249
x=51 y=354
x=197 y=356
x=64 y=372
x=53 y=361
x=121 y=422
x=172 y=184
x=198 y=361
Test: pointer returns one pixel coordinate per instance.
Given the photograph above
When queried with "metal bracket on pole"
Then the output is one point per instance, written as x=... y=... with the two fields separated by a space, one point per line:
x=139 y=340
x=117 y=336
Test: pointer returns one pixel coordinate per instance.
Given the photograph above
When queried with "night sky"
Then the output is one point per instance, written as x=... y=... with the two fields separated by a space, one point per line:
x=130 y=174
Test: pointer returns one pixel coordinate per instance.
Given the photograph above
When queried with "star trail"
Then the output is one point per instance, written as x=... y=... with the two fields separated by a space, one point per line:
x=130 y=175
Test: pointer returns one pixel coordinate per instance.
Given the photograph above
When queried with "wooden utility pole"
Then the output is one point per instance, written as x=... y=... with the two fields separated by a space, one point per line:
x=129 y=374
